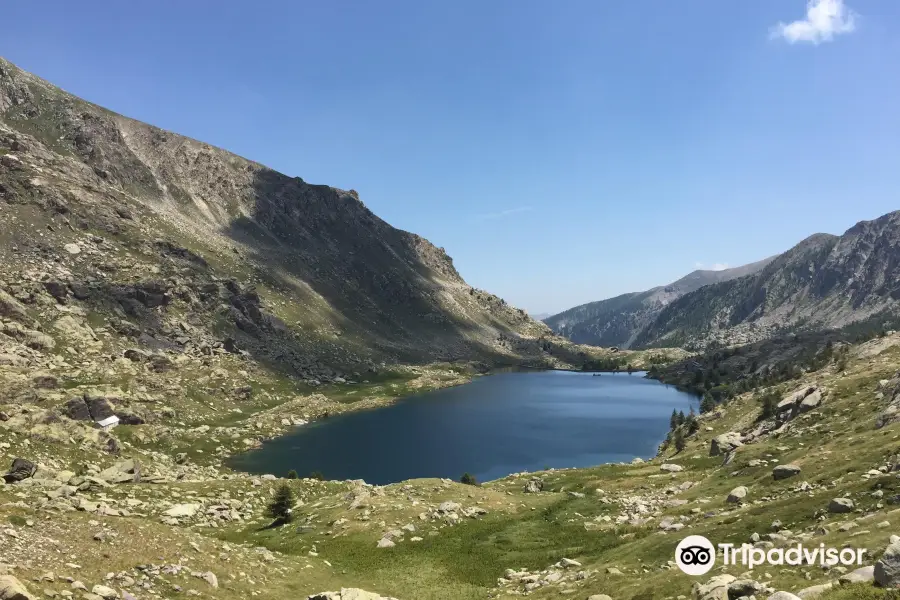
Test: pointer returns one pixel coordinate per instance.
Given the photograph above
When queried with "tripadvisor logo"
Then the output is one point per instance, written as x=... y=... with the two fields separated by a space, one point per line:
x=696 y=555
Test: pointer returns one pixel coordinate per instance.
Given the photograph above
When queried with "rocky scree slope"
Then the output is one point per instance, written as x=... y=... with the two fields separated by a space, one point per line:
x=618 y=321
x=170 y=242
x=824 y=282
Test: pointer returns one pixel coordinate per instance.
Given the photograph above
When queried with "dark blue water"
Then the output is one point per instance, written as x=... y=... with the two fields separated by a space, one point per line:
x=492 y=427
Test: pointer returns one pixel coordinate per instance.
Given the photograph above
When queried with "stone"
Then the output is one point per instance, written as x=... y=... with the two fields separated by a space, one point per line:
x=785 y=471
x=861 y=575
x=12 y=589
x=72 y=249
x=449 y=506
x=599 y=597
x=815 y=590
x=714 y=589
x=180 y=511
x=77 y=409
x=737 y=495
x=127 y=471
x=533 y=486
x=20 y=470
x=887 y=568
x=727 y=442
x=783 y=596
x=671 y=468
x=840 y=505
x=386 y=543
x=210 y=578
x=104 y=592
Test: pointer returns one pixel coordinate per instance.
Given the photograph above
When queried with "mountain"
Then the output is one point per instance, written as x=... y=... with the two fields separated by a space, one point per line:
x=618 y=321
x=824 y=282
x=142 y=237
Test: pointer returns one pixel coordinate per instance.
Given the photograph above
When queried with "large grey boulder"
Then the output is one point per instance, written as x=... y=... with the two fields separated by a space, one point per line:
x=785 y=471
x=20 y=470
x=860 y=575
x=714 y=589
x=534 y=486
x=12 y=589
x=840 y=505
x=799 y=401
x=737 y=495
x=727 y=442
x=815 y=590
x=887 y=568
x=127 y=471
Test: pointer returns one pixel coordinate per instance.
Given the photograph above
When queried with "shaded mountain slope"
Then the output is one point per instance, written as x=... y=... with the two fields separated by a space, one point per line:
x=172 y=243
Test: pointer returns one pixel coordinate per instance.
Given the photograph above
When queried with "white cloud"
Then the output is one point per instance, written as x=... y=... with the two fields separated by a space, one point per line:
x=712 y=267
x=824 y=19
x=503 y=213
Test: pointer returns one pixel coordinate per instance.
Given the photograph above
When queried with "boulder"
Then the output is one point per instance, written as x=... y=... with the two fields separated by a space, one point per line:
x=861 y=575
x=12 y=589
x=101 y=408
x=534 y=486
x=714 y=589
x=599 y=597
x=810 y=402
x=104 y=592
x=840 y=505
x=12 y=308
x=783 y=596
x=127 y=471
x=77 y=409
x=727 y=442
x=737 y=495
x=671 y=468
x=21 y=469
x=180 y=511
x=785 y=471
x=887 y=568
x=815 y=590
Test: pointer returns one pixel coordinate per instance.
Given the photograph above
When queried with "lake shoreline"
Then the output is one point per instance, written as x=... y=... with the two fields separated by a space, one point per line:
x=568 y=412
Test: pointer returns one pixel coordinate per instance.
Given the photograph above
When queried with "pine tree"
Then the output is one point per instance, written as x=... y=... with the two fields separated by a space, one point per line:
x=292 y=474
x=281 y=507
x=673 y=420
x=468 y=479
x=681 y=417
x=679 y=440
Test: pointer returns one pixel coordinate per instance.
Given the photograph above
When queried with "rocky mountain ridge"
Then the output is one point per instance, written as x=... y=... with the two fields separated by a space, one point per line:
x=620 y=320
x=824 y=282
x=170 y=242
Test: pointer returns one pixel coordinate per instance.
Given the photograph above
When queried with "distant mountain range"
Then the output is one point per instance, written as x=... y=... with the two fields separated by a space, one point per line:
x=618 y=321
x=825 y=281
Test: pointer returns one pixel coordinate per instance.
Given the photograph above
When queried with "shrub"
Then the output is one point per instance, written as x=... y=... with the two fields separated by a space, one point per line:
x=468 y=479
x=281 y=507
x=292 y=474
x=317 y=475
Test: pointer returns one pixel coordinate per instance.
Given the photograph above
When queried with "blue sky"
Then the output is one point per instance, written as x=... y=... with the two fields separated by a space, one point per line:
x=561 y=152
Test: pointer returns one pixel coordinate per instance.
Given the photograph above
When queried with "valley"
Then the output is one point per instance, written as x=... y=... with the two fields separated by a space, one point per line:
x=211 y=307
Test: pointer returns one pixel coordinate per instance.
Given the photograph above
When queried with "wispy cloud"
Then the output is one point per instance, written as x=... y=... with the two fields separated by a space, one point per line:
x=503 y=213
x=712 y=267
x=824 y=20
